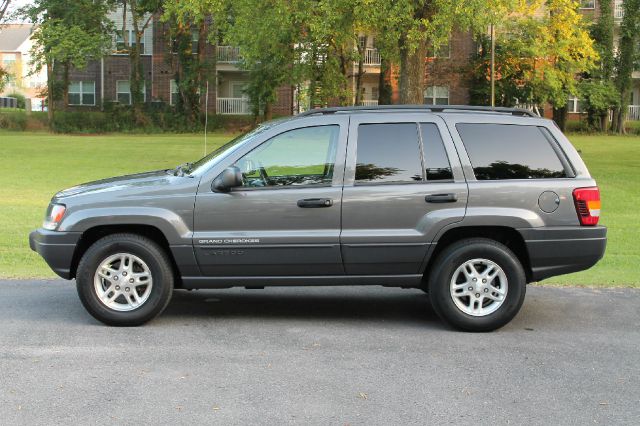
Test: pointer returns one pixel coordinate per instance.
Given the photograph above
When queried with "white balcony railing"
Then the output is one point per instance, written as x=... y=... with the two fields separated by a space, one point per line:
x=618 y=10
x=634 y=112
x=233 y=106
x=371 y=57
x=228 y=54
x=369 y=102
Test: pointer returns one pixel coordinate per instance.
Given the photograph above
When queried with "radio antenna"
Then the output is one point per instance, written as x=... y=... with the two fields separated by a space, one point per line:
x=206 y=117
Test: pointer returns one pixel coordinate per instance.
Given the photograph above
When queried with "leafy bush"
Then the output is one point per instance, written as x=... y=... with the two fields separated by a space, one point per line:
x=119 y=118
x=14 y=120
x=20 y=98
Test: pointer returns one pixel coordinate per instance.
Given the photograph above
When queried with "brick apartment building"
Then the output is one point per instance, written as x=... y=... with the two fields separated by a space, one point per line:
x=15 y=58
x=107 y=80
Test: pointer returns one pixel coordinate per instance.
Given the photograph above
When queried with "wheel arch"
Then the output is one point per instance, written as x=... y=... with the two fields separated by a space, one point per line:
x=508 y=236
x=93 y=234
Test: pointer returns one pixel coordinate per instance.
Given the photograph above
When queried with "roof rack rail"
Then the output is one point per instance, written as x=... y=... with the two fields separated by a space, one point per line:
x=429 y=108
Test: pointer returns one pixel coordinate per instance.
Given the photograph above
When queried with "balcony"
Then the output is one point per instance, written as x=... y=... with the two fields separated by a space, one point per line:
x=634 y=112
x=618 y=10
x=233 y=106
x=371 y=57
x=228 y=54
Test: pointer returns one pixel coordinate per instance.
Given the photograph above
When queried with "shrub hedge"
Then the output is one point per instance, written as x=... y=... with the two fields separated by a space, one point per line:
x=117 y=119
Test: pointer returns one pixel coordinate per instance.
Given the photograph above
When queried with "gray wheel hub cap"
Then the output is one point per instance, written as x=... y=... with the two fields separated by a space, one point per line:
x=479 y=287
x=123 y=282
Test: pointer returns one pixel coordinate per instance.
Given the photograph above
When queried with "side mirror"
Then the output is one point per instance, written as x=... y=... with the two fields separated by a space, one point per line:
x=231 y=177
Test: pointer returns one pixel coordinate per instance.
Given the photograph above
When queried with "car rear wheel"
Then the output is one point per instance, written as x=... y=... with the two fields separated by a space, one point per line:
x=477 y=285
x=125 y=280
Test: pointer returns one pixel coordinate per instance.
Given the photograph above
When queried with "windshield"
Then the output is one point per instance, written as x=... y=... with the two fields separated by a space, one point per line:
x=206 y=162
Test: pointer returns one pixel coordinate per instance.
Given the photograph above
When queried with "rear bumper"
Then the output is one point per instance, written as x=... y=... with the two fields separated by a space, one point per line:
x=562 y=250
x=56 y=248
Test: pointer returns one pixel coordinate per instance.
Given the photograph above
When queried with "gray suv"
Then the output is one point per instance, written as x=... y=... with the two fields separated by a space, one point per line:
x=468 y=204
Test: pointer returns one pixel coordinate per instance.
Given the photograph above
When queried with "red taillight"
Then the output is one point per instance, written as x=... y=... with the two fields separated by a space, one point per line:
x=587 y=205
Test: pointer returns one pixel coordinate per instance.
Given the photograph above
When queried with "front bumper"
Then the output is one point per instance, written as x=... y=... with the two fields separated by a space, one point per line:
x=56 y=248
x=562 y=250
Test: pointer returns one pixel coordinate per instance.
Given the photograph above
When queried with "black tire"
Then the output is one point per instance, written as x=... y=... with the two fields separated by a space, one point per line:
x=144 y=248
x=456 y=255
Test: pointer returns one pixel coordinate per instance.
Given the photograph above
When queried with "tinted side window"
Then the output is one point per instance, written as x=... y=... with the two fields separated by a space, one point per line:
x=435 y=157
x=388 y=152
x=503 y=151
x=298 y=157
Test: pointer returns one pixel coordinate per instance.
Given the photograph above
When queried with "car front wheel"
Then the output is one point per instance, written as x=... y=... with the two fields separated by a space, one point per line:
x=477 y=285
x=124 y=280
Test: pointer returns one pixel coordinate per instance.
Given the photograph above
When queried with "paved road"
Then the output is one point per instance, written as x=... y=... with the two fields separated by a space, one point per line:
x=364 y=355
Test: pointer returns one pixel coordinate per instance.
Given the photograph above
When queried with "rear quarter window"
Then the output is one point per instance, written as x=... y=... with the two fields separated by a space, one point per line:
x=510 y=151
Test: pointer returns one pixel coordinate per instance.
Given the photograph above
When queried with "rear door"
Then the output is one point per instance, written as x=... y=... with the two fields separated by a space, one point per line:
x=403 y=183
x=285 y=220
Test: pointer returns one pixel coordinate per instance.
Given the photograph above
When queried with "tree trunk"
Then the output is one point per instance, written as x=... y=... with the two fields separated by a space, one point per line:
x=346 y=97
x=384 y=83
x=268 y=111
x=313 y=79
x=604 y=121
x=65 y=86
x=626 y=56
x=50 y=93
x=361 y=52
x=560 y=117
x=203 y=68
x=614 y=120
x=412 y=69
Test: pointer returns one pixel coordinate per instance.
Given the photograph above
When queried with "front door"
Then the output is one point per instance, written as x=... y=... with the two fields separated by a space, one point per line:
x=403 y=184
x=285 y=219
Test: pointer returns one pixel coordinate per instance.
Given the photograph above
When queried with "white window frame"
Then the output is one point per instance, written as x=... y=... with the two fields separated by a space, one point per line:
x=144 y=91
x=433 y=96
x=233 y=84
x=132 y=41
x=82 y=93
x=195 y=40
x=435 y=48
x=173 y=95
x=573 y=101
x=582 y=6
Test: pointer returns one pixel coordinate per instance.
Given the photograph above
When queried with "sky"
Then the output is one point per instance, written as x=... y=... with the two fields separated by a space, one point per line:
x=16 y=4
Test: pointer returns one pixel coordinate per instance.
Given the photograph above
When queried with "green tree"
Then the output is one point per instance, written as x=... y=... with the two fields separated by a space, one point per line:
x=566 y=49
x=414 y=24
x=4 y=5
x=195 y=70
x=540 y=59
x=626 y=61
x=266 y=33
x=140 y=14
x=68 y=35
x=597 y=89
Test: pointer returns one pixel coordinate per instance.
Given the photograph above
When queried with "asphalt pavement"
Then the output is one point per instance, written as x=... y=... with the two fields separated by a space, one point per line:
x=329 y=356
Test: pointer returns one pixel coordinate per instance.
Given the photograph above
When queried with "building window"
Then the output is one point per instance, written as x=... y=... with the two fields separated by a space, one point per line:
x=587 y=4
x=123 y=92
x=574 y=105
x=195 y=39
x=82 y=93
x=439 y=51
x=8 y=59
x=436 y=95
x=173 y=92
x=238 y=90
x=131 y=38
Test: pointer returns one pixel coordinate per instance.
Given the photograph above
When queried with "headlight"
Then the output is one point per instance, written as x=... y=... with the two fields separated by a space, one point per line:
x=54 y=216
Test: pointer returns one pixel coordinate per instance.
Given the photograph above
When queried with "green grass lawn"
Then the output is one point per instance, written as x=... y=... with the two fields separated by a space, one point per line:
x=36 y=165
